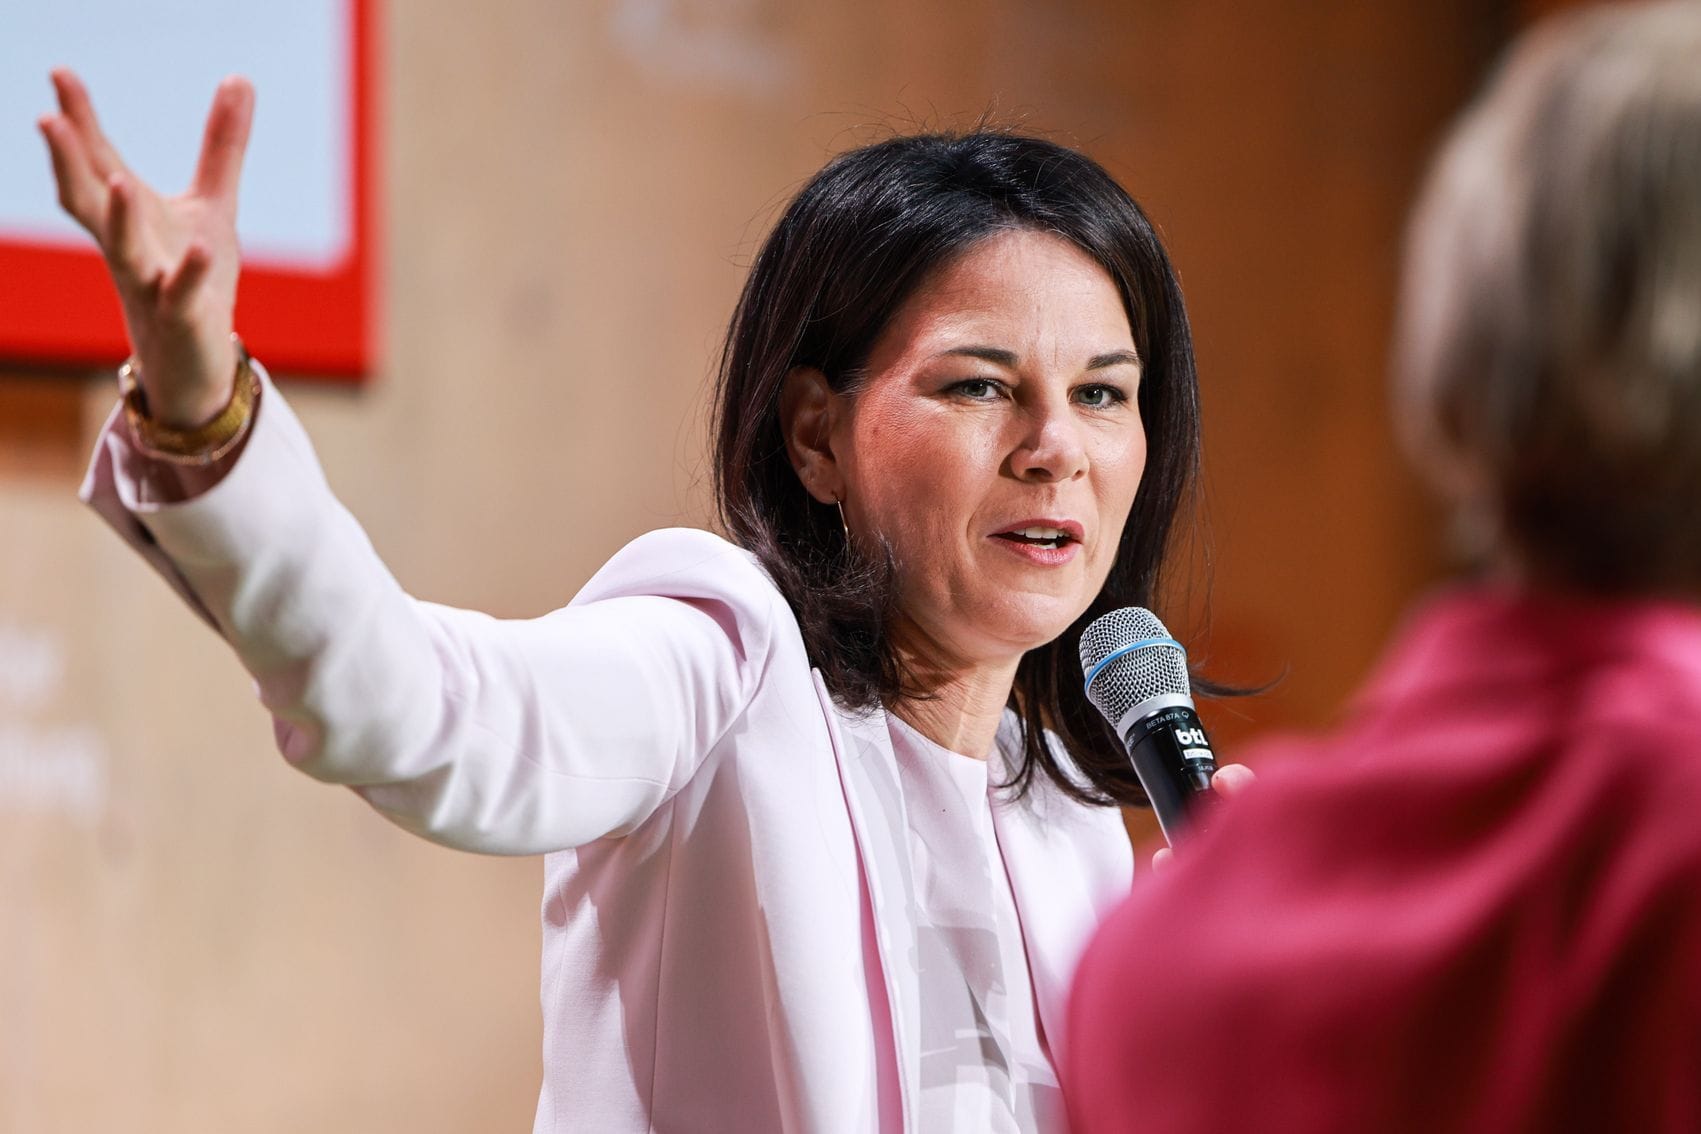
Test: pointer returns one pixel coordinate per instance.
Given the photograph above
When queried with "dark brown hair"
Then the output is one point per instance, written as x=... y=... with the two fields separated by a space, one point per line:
x=1549 y=353
x=852 y=246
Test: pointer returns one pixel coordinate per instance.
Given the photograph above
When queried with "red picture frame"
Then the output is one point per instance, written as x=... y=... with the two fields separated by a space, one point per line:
x=58 y=309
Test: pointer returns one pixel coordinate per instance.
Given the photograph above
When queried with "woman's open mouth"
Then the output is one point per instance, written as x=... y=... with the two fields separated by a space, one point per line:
x=1048 y=543
x=1038 y=536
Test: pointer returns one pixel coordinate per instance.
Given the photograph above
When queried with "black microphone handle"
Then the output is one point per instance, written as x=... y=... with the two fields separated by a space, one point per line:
x=1173 y=758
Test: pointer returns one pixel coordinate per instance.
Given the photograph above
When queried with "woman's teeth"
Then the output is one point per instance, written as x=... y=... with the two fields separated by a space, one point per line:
x=1044 y=537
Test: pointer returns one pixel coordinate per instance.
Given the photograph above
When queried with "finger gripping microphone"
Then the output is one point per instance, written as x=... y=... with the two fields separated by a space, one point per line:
x=1137 y=677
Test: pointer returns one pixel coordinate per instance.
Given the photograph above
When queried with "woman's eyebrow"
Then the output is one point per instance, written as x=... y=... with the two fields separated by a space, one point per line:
x=993 y=355
x=1114 y=358
x=1009 y=358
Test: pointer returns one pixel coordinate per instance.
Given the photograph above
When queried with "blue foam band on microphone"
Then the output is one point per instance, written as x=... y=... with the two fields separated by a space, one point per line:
x=1128 y=649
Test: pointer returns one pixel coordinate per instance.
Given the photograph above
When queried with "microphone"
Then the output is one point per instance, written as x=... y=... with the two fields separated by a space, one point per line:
x=1136 y=676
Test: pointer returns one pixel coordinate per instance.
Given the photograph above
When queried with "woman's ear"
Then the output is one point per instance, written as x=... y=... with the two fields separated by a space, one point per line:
x=807 y=406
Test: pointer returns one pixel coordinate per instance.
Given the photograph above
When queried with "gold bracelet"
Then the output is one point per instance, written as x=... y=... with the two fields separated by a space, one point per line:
x=204 y=444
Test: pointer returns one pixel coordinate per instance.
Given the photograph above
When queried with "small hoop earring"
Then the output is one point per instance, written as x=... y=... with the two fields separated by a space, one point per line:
x=839 y=503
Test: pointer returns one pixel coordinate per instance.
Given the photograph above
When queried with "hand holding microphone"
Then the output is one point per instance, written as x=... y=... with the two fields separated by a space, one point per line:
x=1136 y=675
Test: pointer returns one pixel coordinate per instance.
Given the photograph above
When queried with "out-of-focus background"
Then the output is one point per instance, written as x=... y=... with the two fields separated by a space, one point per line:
x=194 y=937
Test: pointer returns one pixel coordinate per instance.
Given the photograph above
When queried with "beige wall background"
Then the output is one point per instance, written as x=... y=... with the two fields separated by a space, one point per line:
x=193 y=937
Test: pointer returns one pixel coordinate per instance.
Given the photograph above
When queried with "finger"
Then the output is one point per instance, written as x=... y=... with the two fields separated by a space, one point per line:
x=177 y=292
x=79 y=108
x=122 y=242
x=81 y=192
x=226 y=139
x=1232 y=779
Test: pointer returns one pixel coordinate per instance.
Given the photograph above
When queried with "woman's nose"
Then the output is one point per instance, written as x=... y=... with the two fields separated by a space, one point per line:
x=1052 y=448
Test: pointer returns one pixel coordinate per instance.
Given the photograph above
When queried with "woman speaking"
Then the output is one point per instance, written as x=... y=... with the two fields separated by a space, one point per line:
x=828 y=817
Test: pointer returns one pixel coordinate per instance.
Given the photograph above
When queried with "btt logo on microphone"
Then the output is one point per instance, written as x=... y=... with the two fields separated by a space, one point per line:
x=1191 y=738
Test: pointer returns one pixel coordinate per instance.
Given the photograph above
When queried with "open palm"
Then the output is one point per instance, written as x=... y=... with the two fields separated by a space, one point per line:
x=174 y=260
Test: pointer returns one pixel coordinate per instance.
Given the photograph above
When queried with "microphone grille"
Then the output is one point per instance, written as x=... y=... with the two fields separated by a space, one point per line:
x=1134 y=676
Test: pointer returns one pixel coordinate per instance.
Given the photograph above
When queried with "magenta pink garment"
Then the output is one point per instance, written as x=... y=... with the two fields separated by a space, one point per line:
x=1475 y=908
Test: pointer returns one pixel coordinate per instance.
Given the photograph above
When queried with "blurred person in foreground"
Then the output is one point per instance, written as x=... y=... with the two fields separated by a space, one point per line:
x=1477 y=906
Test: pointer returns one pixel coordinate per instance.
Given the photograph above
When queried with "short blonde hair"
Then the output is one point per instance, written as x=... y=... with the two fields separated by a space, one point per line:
x=1548 y=353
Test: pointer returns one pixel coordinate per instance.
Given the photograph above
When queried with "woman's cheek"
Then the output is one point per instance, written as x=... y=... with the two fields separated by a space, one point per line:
x=917 y=466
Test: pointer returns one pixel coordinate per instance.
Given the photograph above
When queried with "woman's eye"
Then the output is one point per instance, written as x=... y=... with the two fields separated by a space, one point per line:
x=1099 y=397
x=977 y=389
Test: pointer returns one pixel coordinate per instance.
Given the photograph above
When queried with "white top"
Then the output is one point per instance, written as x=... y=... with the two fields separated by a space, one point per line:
x=984 y=1065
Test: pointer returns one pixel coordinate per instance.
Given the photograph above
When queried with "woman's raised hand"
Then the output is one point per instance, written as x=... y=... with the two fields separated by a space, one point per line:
x=174 y=260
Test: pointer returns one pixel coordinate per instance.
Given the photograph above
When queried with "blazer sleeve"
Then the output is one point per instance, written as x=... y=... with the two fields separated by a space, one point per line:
x=493 y=735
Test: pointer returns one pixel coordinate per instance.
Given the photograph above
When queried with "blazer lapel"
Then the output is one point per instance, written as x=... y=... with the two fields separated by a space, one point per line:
x=868 y=769
x=1056 y=853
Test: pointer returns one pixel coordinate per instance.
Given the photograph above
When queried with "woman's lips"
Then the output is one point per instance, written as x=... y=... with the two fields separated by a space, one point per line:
x=1044 y=542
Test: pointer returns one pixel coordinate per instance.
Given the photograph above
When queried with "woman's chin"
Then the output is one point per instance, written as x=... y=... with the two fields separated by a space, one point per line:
x=1033 y=622
x=992 y=625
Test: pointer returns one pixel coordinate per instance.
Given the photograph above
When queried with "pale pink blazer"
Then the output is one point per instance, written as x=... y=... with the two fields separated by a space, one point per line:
x=728 y=917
